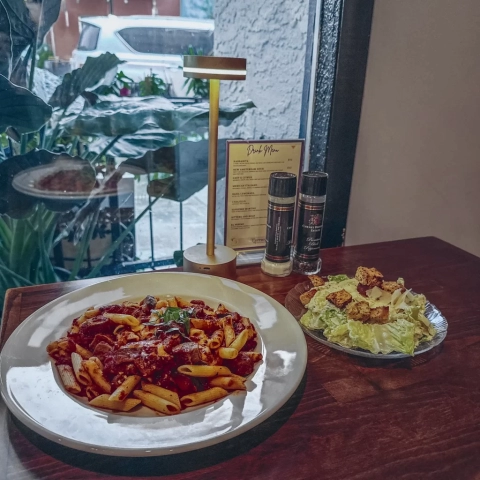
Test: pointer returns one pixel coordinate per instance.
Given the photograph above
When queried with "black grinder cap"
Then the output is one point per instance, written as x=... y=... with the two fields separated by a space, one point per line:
x=282 y=184
x=314 y=184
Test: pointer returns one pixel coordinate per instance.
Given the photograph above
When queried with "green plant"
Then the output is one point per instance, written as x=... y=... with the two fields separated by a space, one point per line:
x=43 y=54
x=207 y=8
x=121 y=86
x=199 y=86
x=67 y=120
x=152 y=85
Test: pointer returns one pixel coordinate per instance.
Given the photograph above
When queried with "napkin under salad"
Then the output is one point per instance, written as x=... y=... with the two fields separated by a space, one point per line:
x=367 y=312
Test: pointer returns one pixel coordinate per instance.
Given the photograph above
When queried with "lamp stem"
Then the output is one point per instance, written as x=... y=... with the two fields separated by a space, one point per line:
x=212 y=163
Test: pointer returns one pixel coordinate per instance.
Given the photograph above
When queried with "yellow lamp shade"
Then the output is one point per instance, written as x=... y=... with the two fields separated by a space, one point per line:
x=221 y=68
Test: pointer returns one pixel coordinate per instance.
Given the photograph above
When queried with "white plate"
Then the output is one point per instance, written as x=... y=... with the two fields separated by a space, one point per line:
x=26 y=182
x=296 y=308
x=35 y=397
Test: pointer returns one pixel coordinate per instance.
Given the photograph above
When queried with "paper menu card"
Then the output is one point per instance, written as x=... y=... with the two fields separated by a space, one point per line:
x=248 y=168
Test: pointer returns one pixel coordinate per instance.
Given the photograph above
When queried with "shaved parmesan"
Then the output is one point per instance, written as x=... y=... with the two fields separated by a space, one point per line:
x=378 y=295
x=374 y=293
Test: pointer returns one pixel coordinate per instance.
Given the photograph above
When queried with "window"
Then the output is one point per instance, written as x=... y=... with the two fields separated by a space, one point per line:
x=89 y=37
x=153 y=174
x=167 y=41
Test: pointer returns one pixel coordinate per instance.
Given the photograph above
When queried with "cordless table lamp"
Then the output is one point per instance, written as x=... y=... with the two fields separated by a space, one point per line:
x=212 y=259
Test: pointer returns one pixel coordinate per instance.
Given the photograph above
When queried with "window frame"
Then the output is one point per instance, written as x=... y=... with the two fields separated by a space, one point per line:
x=332 y=100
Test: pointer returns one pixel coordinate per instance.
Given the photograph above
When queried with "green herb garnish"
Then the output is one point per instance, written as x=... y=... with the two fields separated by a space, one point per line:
x=172 y=314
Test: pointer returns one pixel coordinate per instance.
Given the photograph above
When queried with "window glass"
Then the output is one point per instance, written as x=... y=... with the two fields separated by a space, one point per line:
x=168 y=41
x=108 y=174
x=88 y=37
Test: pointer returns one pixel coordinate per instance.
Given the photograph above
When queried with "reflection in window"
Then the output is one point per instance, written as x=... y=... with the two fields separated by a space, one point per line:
x=167 y=41
x=89 y=37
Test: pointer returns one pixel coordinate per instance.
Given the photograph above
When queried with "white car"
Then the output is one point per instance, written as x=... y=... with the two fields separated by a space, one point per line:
x=146 y=43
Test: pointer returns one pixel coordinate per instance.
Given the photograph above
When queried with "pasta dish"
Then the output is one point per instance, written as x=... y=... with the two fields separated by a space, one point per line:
x=164 y=353
x=367 y=312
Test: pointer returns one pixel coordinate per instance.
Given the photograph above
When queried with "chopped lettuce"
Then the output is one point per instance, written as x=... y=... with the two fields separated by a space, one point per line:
x=407 y=325
x=337 y=278
x=397 y=336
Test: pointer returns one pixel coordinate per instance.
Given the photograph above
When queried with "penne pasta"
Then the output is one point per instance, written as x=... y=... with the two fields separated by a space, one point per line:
x=228 y=353
x=228 y=383
x=172 y=302
x=140 y=342
x=207 y=396
x=161 y=351
x=216 y=339
x=79 y=369
x=156 y=403
x=68 y=379
x=122 y=319
x=98 y=362
x=221 y=309
x=204 y=324
x=204 y=371
x=199 y=336
x=162 y=393
x=103 y=401
x=74 y=329
x=248 y=326
x=182 y=303
x=83 y=352
x=92 y=312
x=96 y=375
x=118 y=329
x=123 y=390
x=229 y=332
x=240 y=340
x=161 y=304
x=92 y=391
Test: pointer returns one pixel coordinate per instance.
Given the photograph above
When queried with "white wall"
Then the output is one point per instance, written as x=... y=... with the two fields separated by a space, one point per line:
x=271 y=35
x=417 y=166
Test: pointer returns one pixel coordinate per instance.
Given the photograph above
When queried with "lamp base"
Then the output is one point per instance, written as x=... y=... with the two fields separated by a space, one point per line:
x=222 y=264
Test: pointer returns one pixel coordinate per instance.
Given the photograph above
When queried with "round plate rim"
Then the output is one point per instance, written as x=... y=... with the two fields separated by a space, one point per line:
x=364 y=353
x=154 y=451
x=19 y=185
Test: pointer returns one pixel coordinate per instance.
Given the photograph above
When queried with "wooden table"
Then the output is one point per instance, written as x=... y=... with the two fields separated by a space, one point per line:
x=349 y=419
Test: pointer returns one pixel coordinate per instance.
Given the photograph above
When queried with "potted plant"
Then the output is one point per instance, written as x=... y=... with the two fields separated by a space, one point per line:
x=45 y=119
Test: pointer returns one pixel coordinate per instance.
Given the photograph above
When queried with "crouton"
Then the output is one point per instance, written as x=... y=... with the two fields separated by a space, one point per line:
x=340 y=299
x=391 y=286
x=358 y=311
x=379 y=315
x=316 y=280
x=370 y=277
x=307 y=296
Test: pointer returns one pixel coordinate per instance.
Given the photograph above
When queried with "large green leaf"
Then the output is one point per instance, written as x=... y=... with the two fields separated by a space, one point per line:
x=134 y=146
x=81 y=79
x=45 y=83
x=5 y=43
x=200 y=113
x=28 y=26
x=186 y=162
x=21 y=109
x=126 y=116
